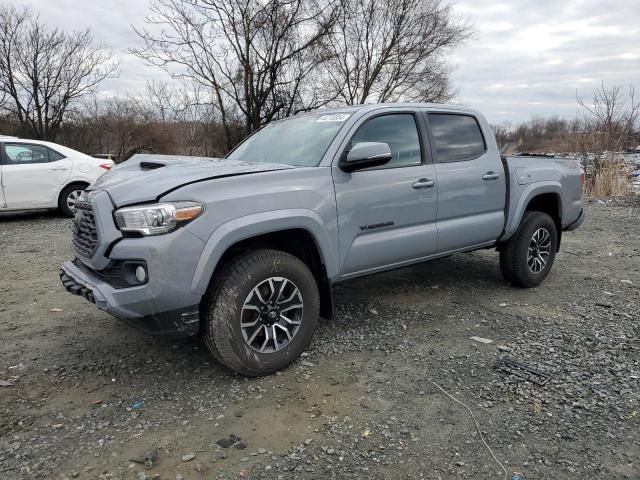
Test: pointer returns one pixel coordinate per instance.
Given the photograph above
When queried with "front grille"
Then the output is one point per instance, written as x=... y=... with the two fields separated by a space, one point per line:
x=85 y=233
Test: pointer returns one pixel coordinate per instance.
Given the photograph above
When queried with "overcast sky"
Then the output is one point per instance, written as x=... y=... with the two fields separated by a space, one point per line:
x=528 y=57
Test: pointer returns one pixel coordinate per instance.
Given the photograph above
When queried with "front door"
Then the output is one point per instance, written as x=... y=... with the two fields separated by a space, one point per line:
x=32 y=175
x=387 y=214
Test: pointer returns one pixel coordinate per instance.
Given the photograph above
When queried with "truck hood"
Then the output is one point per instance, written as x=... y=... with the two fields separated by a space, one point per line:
x=145 y=178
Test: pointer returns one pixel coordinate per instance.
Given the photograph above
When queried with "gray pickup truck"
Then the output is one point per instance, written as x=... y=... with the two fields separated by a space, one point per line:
x=245 y=249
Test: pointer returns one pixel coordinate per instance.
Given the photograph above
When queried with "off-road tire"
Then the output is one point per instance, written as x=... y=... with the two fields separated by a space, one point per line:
x=62 y=199
x=513 y=254
x=223 y=302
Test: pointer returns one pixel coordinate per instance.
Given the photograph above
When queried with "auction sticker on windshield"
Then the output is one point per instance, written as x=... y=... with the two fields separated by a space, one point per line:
x=333 y=117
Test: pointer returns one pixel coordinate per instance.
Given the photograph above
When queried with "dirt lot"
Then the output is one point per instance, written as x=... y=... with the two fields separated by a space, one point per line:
x=362 y=402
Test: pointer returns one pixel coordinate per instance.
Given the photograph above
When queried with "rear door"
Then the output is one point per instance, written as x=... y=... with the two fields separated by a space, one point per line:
x=470 y=182
x=387 y=214
x=32 y=175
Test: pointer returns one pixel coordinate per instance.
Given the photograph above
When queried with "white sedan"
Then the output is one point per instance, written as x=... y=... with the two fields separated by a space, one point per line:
x=37 y=175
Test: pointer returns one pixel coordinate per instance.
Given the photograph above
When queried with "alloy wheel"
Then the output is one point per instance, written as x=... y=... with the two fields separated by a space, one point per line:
x=271 y=315
x=539 y=250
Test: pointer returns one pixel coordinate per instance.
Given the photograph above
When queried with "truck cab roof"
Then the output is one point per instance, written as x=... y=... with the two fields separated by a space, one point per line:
x=369 y=107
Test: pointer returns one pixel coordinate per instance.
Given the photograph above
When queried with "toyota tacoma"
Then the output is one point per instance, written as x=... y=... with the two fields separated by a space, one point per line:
x=244 y=250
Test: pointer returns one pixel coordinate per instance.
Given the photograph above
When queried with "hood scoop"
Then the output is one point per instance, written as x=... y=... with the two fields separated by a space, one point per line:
x=151 y=165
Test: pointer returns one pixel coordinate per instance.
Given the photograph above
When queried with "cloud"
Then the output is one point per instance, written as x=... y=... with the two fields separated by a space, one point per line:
x=528 y=57
x=531 y=57
x=111 y=23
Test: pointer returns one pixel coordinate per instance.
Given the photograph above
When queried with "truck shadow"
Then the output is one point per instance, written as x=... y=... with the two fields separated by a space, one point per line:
x=460 y=271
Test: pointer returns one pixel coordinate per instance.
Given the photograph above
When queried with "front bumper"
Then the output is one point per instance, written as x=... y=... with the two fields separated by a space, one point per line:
x=164 y=303
x=136 y=306
x=577 y=223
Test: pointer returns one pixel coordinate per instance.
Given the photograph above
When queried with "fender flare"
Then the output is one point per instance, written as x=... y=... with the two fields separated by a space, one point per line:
x=242 y=228
x=532 y=191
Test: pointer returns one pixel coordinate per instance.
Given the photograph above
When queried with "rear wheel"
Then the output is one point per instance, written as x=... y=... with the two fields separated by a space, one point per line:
x=527 y=257
x=260 y=312
x=68 y=198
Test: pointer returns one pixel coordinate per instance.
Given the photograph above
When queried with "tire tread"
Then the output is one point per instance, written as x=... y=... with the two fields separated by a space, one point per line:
x=220 y=305
x=513 y=269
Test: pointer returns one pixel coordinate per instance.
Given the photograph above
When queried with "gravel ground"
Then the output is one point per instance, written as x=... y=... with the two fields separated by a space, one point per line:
x=363 y=402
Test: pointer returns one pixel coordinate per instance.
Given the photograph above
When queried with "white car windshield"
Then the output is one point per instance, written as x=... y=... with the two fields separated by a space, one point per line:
x=299 y=141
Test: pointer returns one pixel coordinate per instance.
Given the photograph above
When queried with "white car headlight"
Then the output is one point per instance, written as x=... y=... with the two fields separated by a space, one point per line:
x=158 y=218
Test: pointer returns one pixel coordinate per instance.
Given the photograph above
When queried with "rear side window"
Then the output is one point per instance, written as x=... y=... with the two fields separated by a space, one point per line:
x=456 y=137
x=399 y=131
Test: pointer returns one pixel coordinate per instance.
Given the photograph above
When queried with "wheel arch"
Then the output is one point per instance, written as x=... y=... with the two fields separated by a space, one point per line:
x=301 y=237
x=546 y=198
x=70 y=183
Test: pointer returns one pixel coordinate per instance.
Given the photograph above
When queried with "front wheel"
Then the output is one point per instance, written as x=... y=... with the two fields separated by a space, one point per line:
x=260 y=312
x=527 y=257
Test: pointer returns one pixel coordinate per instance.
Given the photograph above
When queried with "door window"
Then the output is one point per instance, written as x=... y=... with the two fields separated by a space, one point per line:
x=399 y=131
x=456 y=137
x=24 y=153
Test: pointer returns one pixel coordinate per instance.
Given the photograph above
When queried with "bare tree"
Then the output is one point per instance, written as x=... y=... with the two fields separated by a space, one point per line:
x=611 y=117
x=3 y=100
x=391 y=50
x=164 y=100
x=187 y=107
x=253 y=55
x=43 y=71
x=607 y=127
x=120 y=126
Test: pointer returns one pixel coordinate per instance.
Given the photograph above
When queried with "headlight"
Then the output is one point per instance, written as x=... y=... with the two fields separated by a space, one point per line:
x=158 y=218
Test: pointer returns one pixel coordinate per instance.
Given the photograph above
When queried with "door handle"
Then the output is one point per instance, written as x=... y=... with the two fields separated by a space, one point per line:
x=491 y=176
x=59 y=169
x=424 y=183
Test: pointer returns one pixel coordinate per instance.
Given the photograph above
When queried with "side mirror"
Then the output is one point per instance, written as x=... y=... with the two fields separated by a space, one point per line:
x=364 y=155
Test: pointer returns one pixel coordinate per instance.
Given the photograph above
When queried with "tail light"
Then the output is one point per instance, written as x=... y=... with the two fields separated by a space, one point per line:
x=106 y=166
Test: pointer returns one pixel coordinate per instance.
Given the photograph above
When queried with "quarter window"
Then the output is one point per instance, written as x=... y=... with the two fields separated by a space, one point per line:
x=55 y=156
x=399 y=131
x=456 y=137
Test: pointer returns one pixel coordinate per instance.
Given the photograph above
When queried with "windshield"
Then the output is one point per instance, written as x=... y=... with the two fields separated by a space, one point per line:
x=299 y=141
